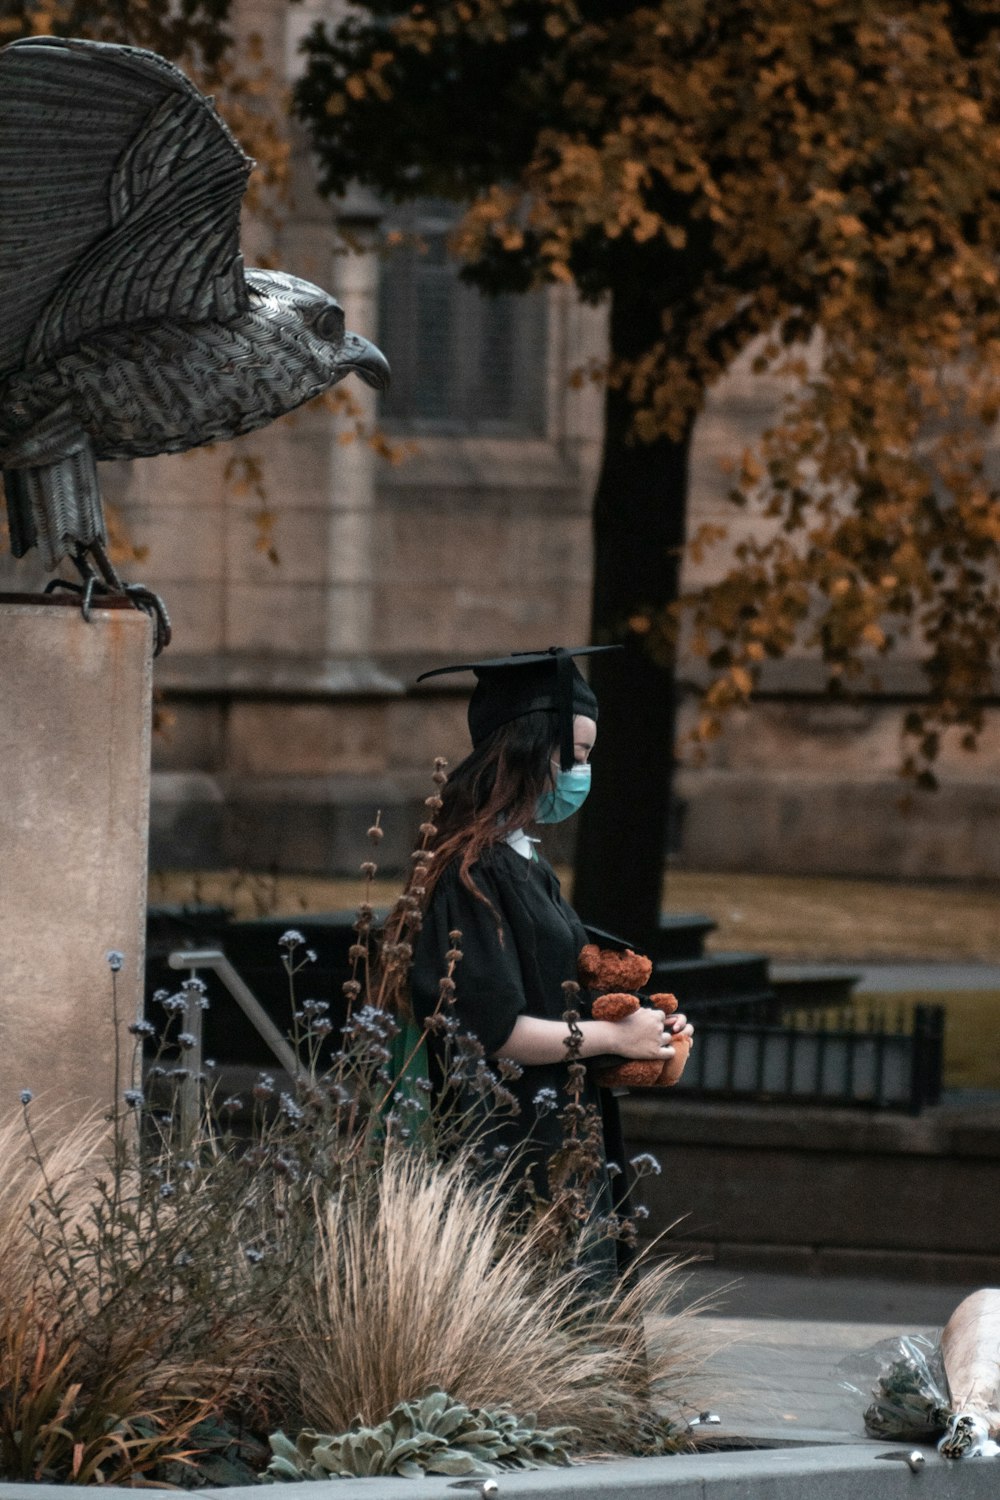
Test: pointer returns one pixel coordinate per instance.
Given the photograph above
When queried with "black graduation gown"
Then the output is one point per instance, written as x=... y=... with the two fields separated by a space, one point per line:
x=498 y=980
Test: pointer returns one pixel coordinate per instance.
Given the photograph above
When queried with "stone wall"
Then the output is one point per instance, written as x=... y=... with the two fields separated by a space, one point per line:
x=821 y=1191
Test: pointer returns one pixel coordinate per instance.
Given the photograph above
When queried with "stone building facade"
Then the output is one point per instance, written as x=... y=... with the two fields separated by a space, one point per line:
x=287 y=708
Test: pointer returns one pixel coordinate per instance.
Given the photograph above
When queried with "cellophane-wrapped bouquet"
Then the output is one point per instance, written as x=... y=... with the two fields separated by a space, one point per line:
x=917 y=1389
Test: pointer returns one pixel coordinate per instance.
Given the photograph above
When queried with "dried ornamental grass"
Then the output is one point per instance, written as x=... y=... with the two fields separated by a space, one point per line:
x=417 y=1289
x=106 y=1366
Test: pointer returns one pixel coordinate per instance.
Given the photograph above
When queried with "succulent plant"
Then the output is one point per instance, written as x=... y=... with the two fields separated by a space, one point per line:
x=437 y=1435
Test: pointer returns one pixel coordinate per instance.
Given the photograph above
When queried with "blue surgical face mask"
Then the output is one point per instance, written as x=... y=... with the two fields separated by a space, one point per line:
x=566 y=797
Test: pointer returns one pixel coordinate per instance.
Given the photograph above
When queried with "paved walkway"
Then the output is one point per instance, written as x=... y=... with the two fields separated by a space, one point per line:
x=899 y=978
x=779 y=1380
x=780 y=1340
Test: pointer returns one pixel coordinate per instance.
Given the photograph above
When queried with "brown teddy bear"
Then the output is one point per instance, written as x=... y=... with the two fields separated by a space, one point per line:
x=608 y=971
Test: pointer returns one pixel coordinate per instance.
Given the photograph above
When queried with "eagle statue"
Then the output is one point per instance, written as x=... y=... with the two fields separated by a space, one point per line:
x=130 y=326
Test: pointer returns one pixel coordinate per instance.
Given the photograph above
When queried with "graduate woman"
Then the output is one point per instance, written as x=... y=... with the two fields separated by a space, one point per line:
x=533 y=724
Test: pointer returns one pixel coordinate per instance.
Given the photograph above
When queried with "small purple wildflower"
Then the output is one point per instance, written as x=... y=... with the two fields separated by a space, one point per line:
x=115 y=960
x=291 y=1110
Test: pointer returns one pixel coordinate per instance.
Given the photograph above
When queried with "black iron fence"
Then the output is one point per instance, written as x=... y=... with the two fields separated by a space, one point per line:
x=859 y=1058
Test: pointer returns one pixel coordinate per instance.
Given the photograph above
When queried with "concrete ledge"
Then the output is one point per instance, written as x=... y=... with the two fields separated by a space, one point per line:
x=936 y=1132
x=899 y=678
x=251 y=674
x=824 y=1190
x=831 y=1472
x=933 y=1268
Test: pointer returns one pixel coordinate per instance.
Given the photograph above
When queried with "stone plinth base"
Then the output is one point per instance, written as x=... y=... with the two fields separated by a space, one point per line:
x=74 y=815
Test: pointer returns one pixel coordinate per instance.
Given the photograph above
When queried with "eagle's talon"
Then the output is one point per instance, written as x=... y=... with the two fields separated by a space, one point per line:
x=137 y=593
x=152 y=605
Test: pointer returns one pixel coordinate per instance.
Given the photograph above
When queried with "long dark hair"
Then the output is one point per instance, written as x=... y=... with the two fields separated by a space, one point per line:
x=492 y=792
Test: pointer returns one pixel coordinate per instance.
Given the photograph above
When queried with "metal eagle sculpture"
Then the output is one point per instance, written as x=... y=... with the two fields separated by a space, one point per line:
x=130 y=326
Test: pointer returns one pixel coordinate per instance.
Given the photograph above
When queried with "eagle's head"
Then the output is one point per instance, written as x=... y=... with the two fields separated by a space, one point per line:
x=287 y=310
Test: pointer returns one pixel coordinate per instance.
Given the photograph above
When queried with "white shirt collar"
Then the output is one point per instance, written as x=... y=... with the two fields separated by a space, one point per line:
x=522 y=844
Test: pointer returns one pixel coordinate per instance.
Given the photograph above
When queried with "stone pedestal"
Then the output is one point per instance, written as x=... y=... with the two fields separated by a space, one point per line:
x=74 y=817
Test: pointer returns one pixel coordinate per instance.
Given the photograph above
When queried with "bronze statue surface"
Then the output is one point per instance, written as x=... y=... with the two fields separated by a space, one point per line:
x=130 y=326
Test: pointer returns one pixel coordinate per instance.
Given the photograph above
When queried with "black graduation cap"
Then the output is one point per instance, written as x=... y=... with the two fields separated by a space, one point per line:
x=508 y=687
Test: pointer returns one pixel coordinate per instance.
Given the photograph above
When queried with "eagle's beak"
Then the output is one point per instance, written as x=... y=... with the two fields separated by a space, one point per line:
x=359 y=357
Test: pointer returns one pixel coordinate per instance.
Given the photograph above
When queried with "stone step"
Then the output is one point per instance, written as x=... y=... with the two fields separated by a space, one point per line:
x=801 y=987
x=719 y=982
x=683 y=934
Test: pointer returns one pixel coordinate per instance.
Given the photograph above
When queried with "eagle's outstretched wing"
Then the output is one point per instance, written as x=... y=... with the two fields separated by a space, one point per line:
x=120 y=191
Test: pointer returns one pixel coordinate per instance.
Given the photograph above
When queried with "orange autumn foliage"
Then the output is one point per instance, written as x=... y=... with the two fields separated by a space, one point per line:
x=814 y=184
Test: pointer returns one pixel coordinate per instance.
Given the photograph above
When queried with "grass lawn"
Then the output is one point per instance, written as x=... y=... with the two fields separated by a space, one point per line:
x=804 y=919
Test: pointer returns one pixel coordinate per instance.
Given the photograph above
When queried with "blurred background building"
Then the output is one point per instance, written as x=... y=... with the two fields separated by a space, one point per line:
x=310 y=580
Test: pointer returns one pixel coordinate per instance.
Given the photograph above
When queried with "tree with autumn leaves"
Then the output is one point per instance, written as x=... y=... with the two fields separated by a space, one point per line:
x=813 y=182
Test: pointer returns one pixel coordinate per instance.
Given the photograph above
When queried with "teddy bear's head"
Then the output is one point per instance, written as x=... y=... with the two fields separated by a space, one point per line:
x=608 y=969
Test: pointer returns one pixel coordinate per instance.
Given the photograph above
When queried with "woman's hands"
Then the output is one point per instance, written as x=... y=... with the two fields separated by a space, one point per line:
x=645 y=1035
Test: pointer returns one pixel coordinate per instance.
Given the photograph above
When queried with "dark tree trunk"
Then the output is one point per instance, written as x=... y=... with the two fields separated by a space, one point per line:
x=639 y=531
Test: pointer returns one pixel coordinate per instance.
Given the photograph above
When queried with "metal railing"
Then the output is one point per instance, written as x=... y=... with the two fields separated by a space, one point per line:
x=216 y=961
x=854 y=1058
